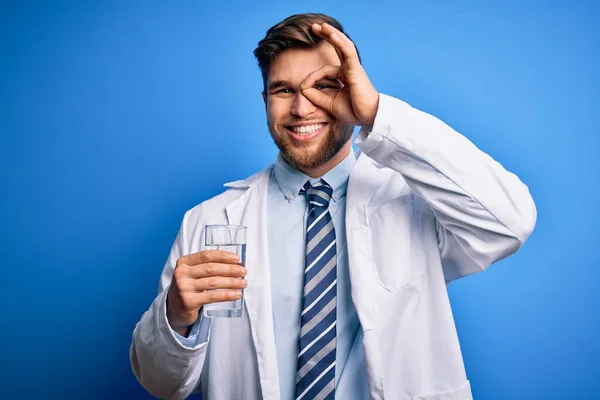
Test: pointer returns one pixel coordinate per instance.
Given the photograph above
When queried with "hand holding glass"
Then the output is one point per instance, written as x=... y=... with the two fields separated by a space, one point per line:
x=230 y=238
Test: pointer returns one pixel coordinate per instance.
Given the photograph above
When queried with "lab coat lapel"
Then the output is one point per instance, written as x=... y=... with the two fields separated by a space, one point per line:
x=366 y=178
x=250 y=210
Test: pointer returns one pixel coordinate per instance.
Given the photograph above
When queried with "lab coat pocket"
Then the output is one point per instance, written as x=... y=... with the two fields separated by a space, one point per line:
x=461 y=393
x=397 y=251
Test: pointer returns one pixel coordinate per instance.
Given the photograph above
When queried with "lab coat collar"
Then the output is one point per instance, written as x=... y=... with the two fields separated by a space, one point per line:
x=250 y=210
x=250 y=181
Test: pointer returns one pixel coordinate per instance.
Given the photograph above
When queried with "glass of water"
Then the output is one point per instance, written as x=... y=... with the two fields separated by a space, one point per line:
x=230 y=238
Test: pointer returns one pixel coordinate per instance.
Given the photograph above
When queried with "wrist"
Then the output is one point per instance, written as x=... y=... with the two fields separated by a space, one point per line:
x=181 y=329
x=369 y=119
x=176 y=324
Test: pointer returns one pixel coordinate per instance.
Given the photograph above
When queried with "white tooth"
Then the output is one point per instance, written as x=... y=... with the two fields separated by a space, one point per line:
x=303 y=130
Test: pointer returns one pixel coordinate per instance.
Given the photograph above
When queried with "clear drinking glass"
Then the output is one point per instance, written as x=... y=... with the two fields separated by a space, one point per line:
x=230 y=238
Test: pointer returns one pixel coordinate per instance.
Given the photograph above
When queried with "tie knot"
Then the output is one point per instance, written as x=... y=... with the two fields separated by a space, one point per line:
x=318 y=194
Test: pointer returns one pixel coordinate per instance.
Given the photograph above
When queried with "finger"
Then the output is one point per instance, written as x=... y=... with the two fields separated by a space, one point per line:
x=325 y=72
x=217 y=269
x=215 y=296
x=340 y=42
x=318 y=97
x=206 y=256
x=318 y=30
x=219 y=282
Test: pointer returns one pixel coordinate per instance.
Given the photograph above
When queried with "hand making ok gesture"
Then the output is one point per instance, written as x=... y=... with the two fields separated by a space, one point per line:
x=357 y=102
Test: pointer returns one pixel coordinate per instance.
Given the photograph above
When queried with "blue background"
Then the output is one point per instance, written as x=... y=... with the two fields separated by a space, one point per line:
x=117 y=117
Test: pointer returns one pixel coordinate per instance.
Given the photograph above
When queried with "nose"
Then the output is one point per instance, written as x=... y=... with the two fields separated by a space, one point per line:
x=302 y=107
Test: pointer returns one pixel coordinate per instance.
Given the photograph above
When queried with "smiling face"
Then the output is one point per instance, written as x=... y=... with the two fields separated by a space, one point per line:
x=309 y=138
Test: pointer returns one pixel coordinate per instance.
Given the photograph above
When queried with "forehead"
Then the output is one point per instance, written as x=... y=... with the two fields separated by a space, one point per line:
x=294 y=65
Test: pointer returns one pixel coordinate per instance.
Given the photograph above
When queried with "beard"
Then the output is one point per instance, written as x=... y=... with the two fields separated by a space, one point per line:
x=302 y=158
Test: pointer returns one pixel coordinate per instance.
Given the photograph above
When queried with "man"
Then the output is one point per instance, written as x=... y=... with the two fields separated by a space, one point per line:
x=348 y=256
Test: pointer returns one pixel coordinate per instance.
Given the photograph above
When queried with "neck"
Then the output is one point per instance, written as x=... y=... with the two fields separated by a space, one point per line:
x=331 y=163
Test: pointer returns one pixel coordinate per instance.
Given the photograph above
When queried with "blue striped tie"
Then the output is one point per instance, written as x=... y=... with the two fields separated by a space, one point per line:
x=315 y=378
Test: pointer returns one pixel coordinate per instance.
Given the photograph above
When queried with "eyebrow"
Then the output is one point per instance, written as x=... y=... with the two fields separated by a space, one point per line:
x=278 y=84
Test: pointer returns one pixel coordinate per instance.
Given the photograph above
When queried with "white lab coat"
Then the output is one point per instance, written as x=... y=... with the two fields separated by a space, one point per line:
x=424 y=207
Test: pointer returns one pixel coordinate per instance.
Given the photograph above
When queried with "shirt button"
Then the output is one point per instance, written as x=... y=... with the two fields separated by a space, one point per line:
x=291 y=196
x=336 y=196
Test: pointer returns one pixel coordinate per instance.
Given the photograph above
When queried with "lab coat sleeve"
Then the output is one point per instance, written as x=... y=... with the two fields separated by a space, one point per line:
x=483 y=213
x=163 y=365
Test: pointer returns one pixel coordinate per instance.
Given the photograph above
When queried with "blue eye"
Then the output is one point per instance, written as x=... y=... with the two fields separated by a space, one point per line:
x=324 y=86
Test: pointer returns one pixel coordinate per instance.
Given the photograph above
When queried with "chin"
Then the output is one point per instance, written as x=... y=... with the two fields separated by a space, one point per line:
x=303 y=156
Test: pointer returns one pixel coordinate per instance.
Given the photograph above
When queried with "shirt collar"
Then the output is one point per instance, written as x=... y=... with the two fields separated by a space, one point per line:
x=290 y=180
